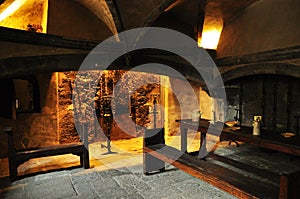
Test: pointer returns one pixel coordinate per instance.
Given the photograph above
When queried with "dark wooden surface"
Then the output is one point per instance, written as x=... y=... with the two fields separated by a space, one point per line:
x=239 y=184
x=267 y=139
x=267 y=174
x=278 y=185
x=234 y=183
x=73 y=148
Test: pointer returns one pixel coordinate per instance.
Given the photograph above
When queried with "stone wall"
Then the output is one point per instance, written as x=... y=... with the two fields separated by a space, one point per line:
x=67 y=131
x=30 y=16
x=55 y=123
x=275 y=97
x=35 y=129
x=181 y=105
x=70 y=19
x=124 y=98
x=265 y=25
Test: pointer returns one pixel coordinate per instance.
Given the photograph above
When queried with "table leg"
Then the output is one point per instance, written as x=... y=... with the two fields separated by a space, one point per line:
x=183 y=139
x=203 y=149
x=297 y=126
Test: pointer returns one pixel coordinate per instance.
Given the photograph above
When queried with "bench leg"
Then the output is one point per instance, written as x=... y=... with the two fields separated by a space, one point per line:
x=283 y=189
x=13 y=166
x=13 y=169
x=234 y=141
x=84 y=159
x=152 y=164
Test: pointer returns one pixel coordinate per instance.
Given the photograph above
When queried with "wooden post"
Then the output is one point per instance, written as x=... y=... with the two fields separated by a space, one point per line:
x=289 y=186
x=11 y=154
x=283 y=189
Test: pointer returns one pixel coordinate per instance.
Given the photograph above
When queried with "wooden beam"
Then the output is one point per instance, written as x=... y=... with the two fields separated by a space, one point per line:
x=33 y=38
x=280 y=54
x=22 y=66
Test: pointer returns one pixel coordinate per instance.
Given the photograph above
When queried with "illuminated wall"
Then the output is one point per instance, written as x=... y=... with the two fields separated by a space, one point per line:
x=263 y=26
x=212 y=29
x=25 y=15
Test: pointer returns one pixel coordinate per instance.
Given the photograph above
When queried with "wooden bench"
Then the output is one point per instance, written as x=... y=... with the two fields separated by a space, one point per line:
x=284 y=185
x=16 y=158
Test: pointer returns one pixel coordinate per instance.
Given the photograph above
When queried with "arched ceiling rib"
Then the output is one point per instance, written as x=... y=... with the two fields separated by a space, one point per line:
x=101 y=10
x=164 y=5
x=115 y=14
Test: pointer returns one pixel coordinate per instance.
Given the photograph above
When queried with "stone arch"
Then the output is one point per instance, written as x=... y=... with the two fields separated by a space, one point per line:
x=284 y=69
x=102 y=11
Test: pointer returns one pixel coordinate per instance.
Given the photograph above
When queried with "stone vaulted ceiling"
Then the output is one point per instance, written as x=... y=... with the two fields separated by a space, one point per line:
x=60 y=52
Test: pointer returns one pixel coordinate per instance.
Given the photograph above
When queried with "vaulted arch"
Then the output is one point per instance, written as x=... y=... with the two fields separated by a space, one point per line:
x=262 y=69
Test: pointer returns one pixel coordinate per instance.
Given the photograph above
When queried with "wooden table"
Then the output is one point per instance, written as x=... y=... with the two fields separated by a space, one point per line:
x=267 y=139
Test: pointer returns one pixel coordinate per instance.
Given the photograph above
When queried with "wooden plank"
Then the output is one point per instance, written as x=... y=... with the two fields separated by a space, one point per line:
x=246 y=167
x=22 y=66
x=53 y=147
x=27 y=155
x=225 y=179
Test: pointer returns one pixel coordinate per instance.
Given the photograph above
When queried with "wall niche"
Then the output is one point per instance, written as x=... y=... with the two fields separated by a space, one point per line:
x=27 y=95
x=275 y=97
x=19 y=96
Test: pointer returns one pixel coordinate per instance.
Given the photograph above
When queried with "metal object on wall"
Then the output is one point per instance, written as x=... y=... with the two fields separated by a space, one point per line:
x=154 y=98
x=108 y=119
x=107 y=115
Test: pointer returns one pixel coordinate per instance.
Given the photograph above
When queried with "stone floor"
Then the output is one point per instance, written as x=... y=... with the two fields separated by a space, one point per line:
x=126 y=182
x=118 y=175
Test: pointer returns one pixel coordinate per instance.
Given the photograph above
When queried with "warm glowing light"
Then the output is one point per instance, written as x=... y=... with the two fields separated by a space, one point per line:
x=11 y=9
x=210 y=39
x=211 y=32
x=30 y=15
x=45 y=16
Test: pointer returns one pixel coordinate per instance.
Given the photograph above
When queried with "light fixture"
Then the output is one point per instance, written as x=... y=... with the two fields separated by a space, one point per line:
x=211 y=33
